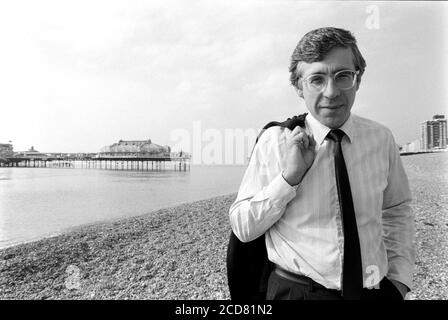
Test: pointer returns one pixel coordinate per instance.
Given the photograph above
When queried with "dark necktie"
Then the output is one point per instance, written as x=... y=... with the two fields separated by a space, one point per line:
x=352 y=278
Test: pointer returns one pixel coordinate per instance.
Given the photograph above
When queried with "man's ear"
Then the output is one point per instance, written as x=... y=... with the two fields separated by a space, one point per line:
x=358 y=83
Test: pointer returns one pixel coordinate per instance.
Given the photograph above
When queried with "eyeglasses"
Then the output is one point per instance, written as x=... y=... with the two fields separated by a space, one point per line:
x=344 y=80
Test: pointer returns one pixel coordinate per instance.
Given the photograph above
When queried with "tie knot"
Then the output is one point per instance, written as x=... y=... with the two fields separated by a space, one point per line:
x=336 y=135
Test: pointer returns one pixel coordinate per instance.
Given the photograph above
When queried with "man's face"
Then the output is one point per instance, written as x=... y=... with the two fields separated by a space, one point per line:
x=332 y=106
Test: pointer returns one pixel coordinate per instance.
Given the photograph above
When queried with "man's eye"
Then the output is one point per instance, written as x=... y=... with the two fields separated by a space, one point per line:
x=317 y=80
x=344 y=76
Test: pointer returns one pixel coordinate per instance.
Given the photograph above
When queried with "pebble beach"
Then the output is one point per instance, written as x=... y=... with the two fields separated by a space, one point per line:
x=180 y=252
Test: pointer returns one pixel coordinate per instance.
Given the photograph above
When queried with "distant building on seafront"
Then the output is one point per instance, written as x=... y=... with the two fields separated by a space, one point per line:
x=434 y=133
x=135 y=148
x=413 y=146
x=6 y=150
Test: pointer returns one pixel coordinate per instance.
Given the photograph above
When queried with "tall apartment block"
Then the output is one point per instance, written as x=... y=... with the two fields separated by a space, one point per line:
x=434 y=133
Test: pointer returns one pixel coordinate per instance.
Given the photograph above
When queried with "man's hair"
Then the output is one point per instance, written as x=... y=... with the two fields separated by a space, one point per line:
x=316 y=44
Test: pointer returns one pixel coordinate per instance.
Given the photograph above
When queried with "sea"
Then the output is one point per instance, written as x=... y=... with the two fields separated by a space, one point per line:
x=42 y=202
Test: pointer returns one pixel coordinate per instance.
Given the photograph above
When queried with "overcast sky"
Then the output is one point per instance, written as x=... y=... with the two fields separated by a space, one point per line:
x=78 y=75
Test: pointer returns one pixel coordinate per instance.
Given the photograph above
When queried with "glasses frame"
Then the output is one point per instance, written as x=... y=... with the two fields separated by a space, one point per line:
x=333 y=76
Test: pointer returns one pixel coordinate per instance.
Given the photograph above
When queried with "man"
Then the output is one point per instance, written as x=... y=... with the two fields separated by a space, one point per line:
x=332 y=199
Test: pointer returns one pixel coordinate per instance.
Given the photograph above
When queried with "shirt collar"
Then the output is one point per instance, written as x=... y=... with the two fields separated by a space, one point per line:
x=320 y=131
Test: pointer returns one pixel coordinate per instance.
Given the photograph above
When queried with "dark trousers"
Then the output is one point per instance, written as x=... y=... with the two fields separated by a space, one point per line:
x=280 y=288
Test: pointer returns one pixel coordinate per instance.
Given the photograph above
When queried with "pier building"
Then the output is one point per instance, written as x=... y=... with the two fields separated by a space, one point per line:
x=135 y=148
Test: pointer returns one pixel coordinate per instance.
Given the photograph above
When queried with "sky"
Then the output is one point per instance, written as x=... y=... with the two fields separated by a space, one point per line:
x=76 y=76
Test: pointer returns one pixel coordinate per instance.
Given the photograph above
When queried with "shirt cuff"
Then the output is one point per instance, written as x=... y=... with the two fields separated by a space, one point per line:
x=280 y=192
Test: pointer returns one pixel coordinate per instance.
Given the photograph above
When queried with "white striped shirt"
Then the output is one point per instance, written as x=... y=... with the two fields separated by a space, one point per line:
x=303 y=223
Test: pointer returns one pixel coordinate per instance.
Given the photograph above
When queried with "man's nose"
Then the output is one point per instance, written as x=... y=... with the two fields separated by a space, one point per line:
x=331 y=90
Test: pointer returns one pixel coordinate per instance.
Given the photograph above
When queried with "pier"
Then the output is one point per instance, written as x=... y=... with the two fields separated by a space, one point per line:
x=104 y=163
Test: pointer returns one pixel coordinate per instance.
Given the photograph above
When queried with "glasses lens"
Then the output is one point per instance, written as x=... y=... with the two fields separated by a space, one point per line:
x=345 y=79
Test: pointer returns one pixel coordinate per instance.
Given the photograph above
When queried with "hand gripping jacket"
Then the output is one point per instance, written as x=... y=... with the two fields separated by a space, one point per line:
x=248 y=266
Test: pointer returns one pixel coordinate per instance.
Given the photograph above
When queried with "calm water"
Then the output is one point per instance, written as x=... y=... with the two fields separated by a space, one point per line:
x=38 y=202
